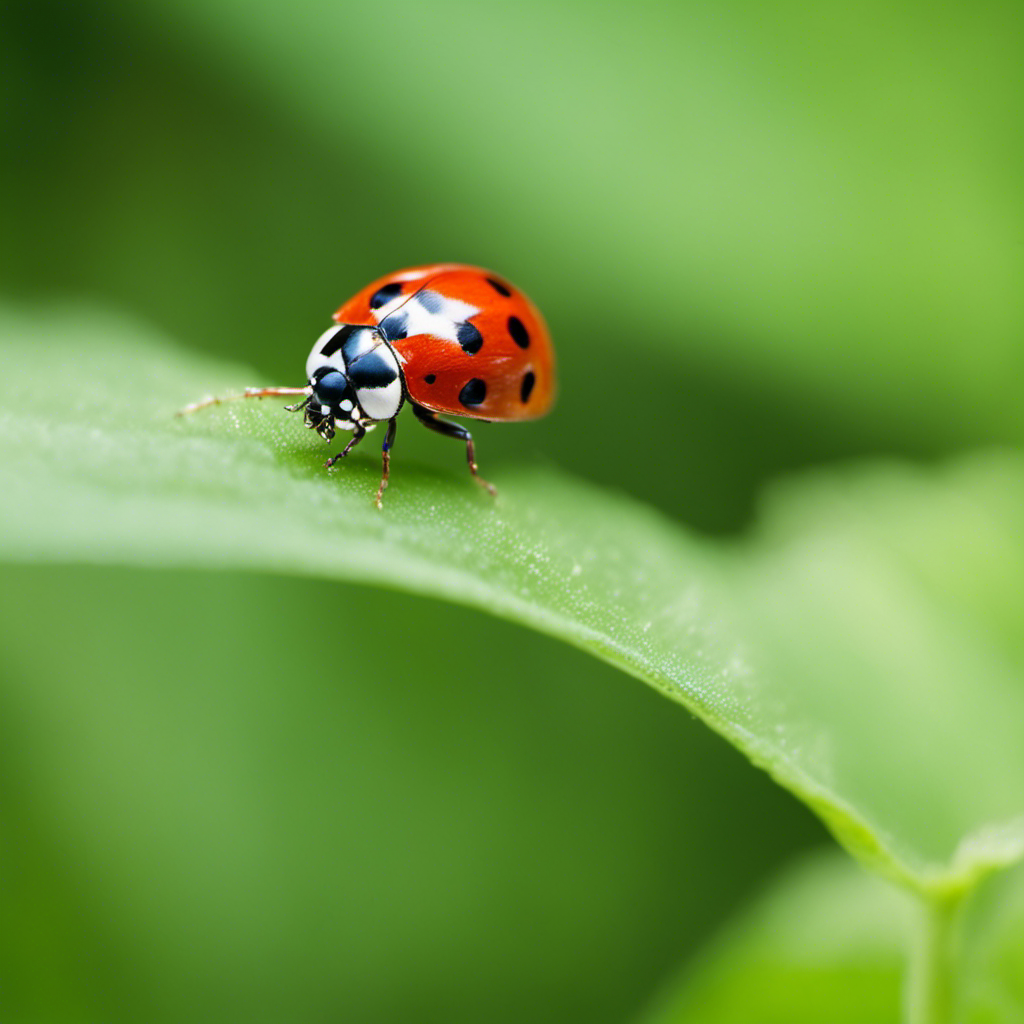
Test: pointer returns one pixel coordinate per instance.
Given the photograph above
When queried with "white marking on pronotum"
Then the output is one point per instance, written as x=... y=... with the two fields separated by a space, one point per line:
x=381 y=403
x=329 y=333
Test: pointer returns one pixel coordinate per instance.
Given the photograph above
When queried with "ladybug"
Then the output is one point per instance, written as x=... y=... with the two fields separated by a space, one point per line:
x=446 y=338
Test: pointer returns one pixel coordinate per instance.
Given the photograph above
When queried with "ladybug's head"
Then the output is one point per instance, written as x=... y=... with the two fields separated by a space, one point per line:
x=321 y=422
x=354 y=379
x=333 y=398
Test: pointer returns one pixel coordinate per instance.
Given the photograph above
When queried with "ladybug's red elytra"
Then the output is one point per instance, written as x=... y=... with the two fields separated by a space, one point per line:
x=446 y=338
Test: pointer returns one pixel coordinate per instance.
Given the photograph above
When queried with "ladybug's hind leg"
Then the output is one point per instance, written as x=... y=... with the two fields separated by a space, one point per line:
x=449 y=429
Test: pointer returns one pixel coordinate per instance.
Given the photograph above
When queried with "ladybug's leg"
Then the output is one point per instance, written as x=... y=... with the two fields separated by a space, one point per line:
x=357 y=435
x=449 y=429
x=389 y=440
x=248 y=393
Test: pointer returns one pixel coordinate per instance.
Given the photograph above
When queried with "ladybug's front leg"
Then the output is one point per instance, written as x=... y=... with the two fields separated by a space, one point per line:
x=357 y=435
x=389 y=440
x=248 y=393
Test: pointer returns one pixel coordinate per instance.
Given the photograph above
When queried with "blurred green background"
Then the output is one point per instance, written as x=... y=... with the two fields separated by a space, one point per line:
x=775 y=236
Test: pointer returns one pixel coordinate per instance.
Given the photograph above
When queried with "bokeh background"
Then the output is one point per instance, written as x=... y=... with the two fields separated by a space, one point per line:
x=766 y=238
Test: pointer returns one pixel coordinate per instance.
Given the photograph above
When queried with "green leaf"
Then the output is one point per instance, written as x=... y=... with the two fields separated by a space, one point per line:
x=825 y=942
x=994 y=975
x=862 y=648
x=887 y=603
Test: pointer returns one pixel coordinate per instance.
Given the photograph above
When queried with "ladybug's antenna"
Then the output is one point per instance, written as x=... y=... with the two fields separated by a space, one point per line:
x=250 y=393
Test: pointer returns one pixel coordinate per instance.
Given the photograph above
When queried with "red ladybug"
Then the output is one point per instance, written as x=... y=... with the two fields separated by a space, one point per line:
x=446 y=338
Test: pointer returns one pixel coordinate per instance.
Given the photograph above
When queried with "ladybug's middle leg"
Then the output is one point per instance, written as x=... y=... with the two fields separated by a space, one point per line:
x=431 y=422
x=389 y=440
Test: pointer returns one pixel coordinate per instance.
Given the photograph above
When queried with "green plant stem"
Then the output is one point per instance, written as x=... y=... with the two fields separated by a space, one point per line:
x=931 y=986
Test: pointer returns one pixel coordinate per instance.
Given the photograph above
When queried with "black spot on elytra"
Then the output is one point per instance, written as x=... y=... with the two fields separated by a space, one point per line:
x=384 y=295
x=526 y=388
x=394 y=327
x=469 y=338
x=336 y=340
x=499 y=287
x=430 y=378
x=473 y=393
x=518 y=332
